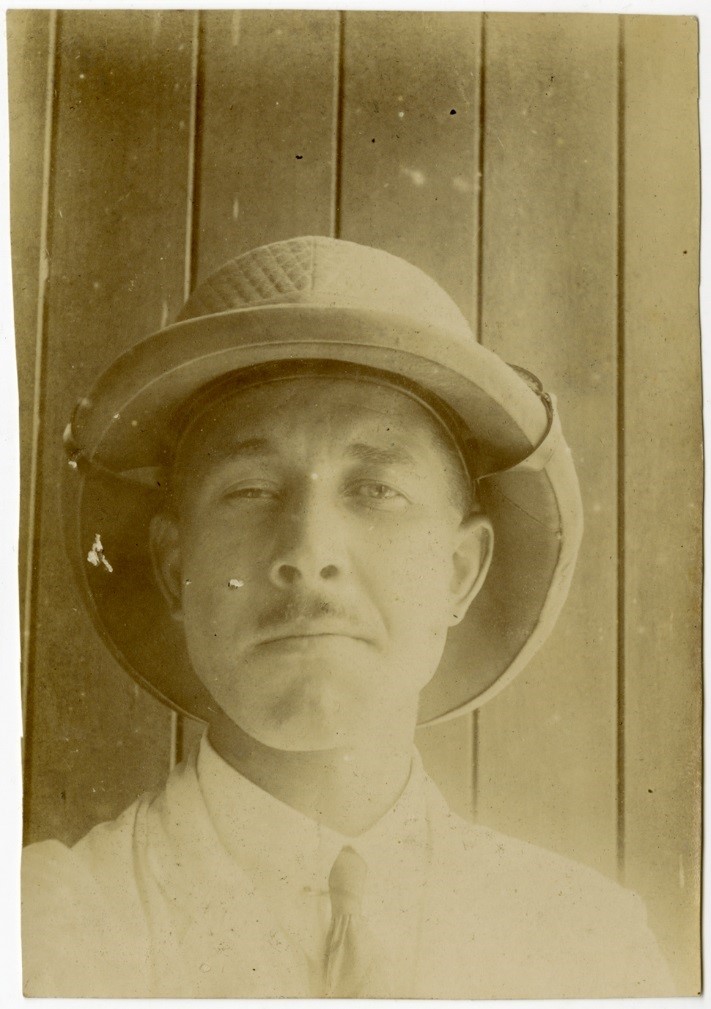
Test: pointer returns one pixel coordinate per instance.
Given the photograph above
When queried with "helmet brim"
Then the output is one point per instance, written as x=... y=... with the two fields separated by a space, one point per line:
x=124 y=426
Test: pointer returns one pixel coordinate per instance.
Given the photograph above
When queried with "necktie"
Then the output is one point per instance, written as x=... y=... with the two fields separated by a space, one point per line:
x=355 y=964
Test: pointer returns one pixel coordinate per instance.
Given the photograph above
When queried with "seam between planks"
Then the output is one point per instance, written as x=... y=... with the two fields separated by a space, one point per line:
x=192 y=218
x=620 y=323
x=35 y=496
x=337 y=125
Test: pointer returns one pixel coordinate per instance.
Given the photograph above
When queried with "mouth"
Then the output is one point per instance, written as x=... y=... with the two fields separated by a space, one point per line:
x=305 y=637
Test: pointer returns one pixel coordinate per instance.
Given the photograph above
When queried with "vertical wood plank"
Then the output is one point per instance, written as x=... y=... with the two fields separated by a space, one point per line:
x=663 y=483
x=409 y=185
x=266 y=118
x=410 y=141
x=94 y=739
x=31 y=67
x=547 y=744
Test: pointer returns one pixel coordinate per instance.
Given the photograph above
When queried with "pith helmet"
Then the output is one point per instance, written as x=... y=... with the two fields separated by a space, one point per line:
x=318 y=299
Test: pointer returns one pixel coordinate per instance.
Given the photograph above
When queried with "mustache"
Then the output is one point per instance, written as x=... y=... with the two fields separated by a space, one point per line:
x=302 y=608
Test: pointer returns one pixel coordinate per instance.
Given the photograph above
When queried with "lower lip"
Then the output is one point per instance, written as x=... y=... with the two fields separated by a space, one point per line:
x=307 y=640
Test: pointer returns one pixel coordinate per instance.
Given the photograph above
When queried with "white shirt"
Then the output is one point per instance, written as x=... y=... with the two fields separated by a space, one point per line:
x=211 y=888
x=288 y=857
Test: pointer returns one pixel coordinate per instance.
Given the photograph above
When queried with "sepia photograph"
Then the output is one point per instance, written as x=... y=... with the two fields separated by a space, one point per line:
x=361 y=502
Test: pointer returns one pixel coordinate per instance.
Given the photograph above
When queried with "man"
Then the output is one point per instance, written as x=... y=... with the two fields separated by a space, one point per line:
x=278 y=508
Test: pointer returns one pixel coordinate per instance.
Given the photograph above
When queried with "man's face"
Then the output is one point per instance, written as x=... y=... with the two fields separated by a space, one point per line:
x=318 y=558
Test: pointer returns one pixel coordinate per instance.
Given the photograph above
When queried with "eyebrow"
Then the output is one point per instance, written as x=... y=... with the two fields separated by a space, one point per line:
x=226 y=452
x=396 y=454
x=248 y=447
x=360 y=451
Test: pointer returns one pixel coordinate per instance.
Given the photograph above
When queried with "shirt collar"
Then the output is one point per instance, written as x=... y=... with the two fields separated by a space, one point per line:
x=272 y=840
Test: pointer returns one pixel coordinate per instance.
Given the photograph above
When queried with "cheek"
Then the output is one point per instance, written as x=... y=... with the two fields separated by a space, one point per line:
x=220 y=573
x=414 y=569
x=218 y=553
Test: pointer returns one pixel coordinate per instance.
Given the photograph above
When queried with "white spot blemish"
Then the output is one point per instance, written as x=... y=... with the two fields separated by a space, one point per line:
x=313 y=476
x=117 y=416
x=235 y=583
x=414 y=175
x=134 y=423
x=96 y=554
x=187 y=581
x=401 y=114
x=72 y=463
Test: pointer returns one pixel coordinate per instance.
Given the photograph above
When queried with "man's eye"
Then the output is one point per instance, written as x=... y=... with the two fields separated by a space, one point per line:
x=380 y=493
x=251 y=492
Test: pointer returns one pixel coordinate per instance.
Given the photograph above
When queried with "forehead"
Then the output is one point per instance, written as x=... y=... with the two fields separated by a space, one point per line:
x=316 y=412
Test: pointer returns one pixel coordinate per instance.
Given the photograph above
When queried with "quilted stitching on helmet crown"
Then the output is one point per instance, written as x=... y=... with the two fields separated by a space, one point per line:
x=289 y=265
x=273 y=272
x=265 y=275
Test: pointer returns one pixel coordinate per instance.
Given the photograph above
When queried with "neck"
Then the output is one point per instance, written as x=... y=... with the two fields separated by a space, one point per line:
x=346 y=788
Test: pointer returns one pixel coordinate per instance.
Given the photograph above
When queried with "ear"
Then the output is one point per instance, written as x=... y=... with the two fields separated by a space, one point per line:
x=474 y=549
x=164 y=541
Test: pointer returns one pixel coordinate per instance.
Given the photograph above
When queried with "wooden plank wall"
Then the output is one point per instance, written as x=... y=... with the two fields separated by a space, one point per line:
x=661 y=509
x=516 y=158
x=116 y=235
x=549 y=303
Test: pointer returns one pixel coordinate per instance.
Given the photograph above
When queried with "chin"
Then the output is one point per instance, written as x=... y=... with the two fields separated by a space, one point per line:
x=303 y=737
x=307 y=731
x=297 y=702
x=310 y=716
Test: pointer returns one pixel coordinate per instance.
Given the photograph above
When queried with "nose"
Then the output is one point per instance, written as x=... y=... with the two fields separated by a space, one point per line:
x=309 y=546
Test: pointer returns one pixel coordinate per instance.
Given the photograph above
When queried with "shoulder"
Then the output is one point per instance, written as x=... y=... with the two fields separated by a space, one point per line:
x=495 y=864
x=77 y=903
x=509 y=865
x=104 y=865
x=88 y=910
x=48 y=865
x=586 y=935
